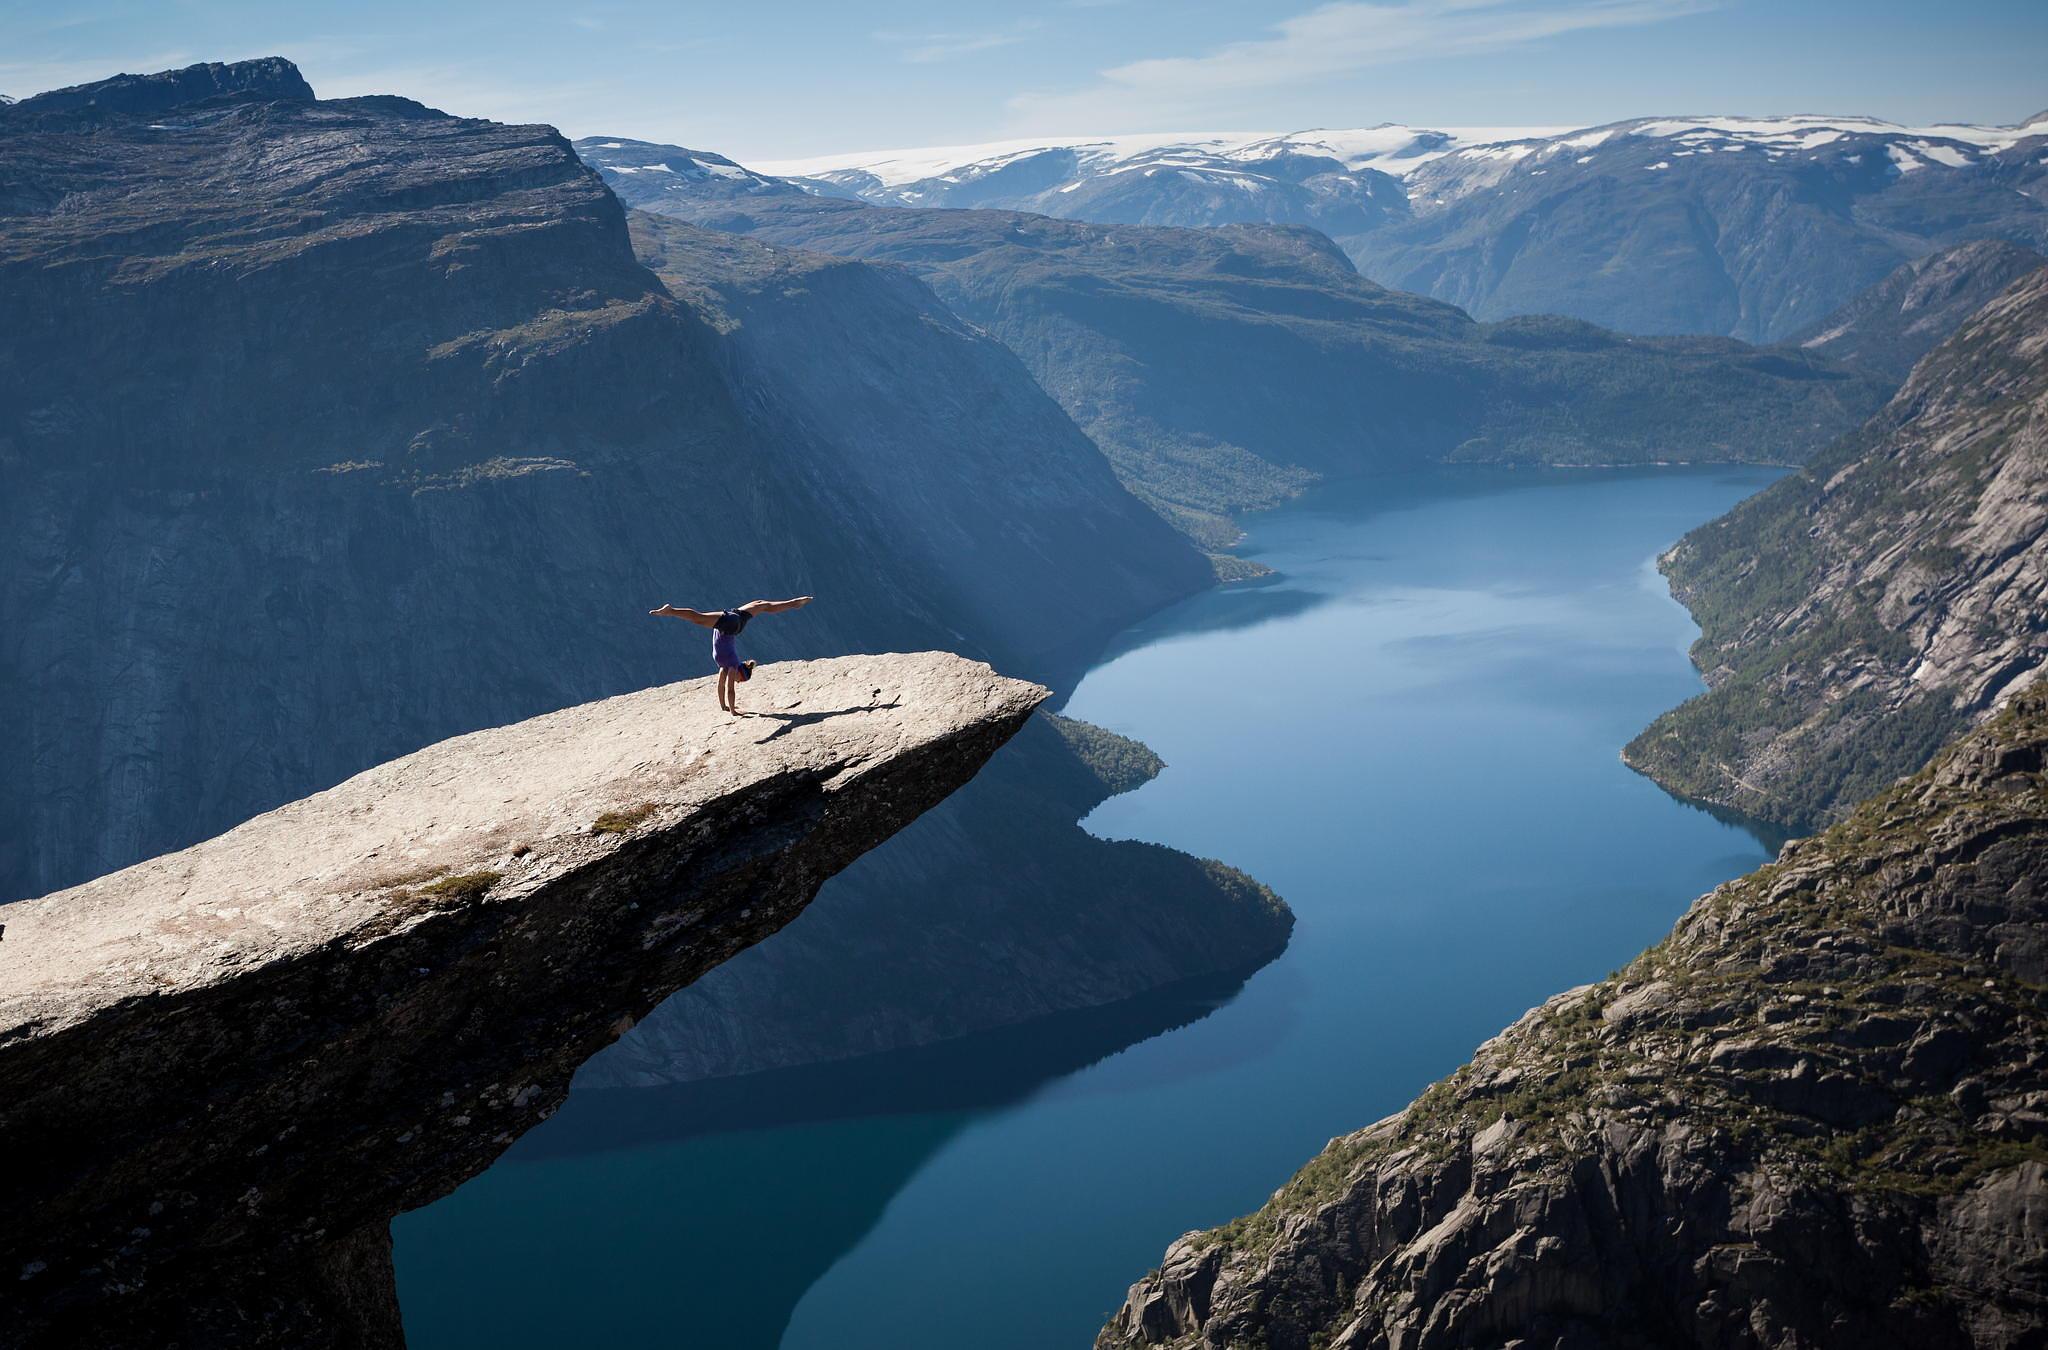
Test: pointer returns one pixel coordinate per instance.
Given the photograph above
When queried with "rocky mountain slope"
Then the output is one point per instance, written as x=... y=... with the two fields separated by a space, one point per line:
x=1889 y=327
x=641 y=173
x=1811 y=1116
x=1861 y=612
x=332 y=428
x=1219 y=369
x=233 y=1065
x=1753 y=227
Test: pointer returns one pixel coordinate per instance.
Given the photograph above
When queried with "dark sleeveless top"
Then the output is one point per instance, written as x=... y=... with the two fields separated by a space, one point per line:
x=731 y=621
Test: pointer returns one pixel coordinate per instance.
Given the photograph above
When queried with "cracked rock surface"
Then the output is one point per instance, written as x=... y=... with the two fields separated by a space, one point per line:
x=223 y=1071
x=1858 y=615
x=1815 y=1115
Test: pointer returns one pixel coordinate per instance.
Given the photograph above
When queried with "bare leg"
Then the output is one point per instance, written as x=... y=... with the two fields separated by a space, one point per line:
x=702 y=618
x=774 y=606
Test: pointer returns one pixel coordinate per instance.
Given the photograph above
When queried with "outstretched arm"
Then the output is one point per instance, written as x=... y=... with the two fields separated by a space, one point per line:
x=696 y=616
x=774 y=606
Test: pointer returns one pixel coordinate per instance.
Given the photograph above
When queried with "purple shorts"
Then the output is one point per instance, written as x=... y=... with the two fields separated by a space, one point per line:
x=725 y=654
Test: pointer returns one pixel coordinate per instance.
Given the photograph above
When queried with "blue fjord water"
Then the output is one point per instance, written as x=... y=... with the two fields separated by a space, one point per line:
x=1410 y=733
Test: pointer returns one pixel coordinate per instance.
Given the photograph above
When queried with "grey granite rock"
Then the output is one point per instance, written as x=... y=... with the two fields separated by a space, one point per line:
x=1858 y=614
x=1889 y=327
x=224 y=1070
x=332 y=428
x=1811 y=1116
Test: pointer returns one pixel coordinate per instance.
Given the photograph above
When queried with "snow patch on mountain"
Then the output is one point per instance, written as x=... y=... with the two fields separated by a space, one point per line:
x=1388 y=148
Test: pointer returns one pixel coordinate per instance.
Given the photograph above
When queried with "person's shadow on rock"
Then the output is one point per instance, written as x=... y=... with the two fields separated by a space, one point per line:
x=792 y=720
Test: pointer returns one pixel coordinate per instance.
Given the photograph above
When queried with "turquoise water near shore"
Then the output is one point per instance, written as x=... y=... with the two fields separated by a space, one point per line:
x=1410 y=732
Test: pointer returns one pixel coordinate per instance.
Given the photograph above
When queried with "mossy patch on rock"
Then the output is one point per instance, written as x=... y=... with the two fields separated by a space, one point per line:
x=1832 y=1068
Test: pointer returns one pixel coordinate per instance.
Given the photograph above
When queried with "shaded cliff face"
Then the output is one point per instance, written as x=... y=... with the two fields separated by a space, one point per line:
x=234 y=1064
x=331 y=428
x=127 y=95
x=1220 y=369
x=1858 y=614
x=996 y=907
x=972 y=472
x=1889 y=327
x=1811 y=1116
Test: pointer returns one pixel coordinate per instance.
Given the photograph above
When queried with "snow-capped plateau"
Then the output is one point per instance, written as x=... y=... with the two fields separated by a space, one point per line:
x=1464 y=158
x=1754 y=227
x=639 y=170
x=1388 y=148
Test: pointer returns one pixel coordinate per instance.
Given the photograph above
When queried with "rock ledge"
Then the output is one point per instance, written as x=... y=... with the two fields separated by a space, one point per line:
x=228 y=1067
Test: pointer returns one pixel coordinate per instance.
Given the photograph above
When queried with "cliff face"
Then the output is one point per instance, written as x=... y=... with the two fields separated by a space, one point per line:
x=232 y=1065
x=1858 y=614
x=328 y=429
x=996 y=907
x=906 y=402
x=1813 y=1115
x=1220 y=369
x=1889 y=327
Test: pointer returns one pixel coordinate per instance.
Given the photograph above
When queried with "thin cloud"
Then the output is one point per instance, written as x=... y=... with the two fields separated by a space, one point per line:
x=924 y=48
x=1329 y=42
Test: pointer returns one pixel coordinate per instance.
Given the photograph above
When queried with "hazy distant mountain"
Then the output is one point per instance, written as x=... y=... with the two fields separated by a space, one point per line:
x=1162 y=179
x=1215 y=366
x=1892 y=325
x=1752 y=227
x=640 y=172
x=1342 y=183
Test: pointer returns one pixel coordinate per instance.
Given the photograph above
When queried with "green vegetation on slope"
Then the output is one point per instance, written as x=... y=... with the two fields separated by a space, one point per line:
x=1853 y=1028
x=1858 y=614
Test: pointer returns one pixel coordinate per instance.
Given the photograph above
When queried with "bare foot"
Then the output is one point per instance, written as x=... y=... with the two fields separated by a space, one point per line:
x=665 y=609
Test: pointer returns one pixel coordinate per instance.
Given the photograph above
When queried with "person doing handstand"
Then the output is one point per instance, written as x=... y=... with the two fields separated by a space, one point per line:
x=725 y=653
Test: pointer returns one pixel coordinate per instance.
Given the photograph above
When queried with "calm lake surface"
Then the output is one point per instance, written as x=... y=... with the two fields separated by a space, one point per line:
x=1411 y=733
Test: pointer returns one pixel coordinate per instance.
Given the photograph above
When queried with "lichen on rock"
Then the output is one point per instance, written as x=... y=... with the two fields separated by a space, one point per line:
x=232 y=1065
x=1815 y=1114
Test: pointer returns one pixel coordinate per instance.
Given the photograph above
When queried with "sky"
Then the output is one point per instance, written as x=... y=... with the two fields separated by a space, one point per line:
x=765 y=80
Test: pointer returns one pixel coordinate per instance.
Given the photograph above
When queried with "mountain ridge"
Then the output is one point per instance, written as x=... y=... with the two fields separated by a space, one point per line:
x=1221 y=369
x=1600 y=223
x=1892 y=325
x=1859 y=613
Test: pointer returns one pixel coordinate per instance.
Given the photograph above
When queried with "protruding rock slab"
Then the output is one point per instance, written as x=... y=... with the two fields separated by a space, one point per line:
x=223 y=1071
